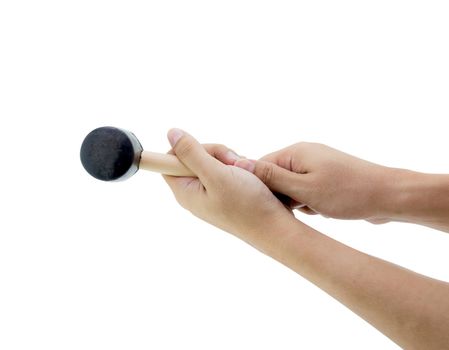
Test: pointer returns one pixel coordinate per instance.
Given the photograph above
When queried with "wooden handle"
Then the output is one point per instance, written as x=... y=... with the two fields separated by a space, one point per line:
x=163 y=163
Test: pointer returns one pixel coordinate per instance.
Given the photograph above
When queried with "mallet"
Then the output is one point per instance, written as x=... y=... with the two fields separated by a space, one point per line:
x=113 y=154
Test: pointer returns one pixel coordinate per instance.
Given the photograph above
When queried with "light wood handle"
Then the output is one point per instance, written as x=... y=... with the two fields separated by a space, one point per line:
x=167 y=164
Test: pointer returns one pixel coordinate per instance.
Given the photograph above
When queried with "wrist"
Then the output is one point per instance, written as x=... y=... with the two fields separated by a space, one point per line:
x=418 y=198
x=271 y=237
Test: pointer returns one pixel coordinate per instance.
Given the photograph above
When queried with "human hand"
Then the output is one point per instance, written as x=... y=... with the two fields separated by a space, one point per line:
x=223 y=195
x=334 y=184
x=323 y=180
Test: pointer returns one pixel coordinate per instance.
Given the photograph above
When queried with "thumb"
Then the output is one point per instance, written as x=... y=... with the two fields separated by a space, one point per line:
x=275 y=177
x=193 y=155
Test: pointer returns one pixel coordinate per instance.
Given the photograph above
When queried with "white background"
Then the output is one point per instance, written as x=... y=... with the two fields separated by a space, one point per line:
x=92 y=265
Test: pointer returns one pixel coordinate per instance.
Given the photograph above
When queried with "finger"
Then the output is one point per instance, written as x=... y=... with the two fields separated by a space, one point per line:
x=307 y=210
x=378 y=221
x=222 y=153
x=271 y=157
x=284 y=160
x=185 y=189
x=280 y=157
x=277 y=178
x=290 y=158
x=194 y=156
x=182 y=186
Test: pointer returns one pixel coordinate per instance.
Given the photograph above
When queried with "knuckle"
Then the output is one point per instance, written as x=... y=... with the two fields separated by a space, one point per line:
x=304 y=148
x=212 y=146
x=267 y=174
x=319 y=145
x=219 y=149
x=315 y=145
x=220 y=146
x=303 y=145
x=184 y=148
x=268 y=157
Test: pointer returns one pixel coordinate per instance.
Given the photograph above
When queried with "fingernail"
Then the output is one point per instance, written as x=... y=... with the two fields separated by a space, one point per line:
x=246 y=164
x=174 y=135
x=232 y=156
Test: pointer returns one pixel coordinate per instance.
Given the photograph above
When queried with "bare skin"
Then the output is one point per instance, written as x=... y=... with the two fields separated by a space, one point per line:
x=338 y=185
x=411 y=309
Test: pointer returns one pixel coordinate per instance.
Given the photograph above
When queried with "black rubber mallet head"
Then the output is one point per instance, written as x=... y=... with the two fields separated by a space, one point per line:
x=113 y=154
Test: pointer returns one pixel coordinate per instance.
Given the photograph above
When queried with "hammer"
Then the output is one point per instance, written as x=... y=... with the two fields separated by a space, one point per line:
x=113 y=154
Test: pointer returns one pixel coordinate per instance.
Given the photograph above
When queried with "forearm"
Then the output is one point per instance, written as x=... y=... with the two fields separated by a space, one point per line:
x=418 y=198
x=411 y=309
